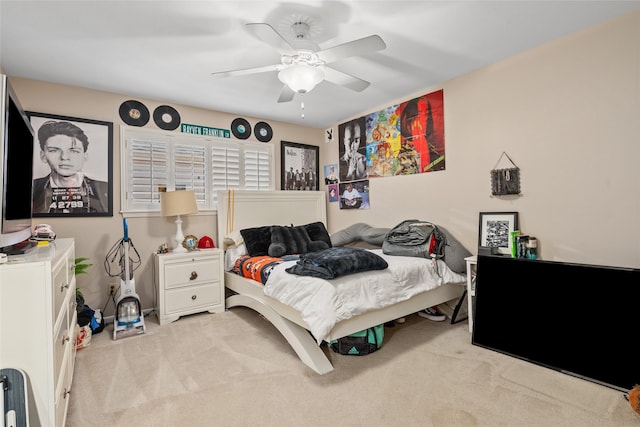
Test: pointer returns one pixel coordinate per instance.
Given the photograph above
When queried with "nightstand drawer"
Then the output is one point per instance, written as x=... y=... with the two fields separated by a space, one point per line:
x=191 y=272
x=192 y=297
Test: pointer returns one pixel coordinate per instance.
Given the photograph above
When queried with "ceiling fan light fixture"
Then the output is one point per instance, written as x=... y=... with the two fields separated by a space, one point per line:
x=301 y=78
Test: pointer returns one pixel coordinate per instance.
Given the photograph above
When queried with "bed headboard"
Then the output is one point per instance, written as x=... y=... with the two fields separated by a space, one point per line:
x=240 y=209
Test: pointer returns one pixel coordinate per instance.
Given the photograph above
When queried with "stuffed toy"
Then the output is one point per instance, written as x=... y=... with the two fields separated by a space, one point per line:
x=292 y=240
x=634 y=398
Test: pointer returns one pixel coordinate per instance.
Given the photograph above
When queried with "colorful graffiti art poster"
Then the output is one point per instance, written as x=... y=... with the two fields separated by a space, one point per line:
x=403 y=139
x=383 y=142
x=421 y=124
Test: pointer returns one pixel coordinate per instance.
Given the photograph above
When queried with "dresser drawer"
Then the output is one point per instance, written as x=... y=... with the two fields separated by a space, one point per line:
x=188 y=272
x=61 y=343
x=63 y=388
x=192 y=297
x=65 y=332
x=61 y=286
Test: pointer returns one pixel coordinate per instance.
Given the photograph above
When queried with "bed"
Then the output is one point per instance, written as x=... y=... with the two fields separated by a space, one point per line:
x=244 y=209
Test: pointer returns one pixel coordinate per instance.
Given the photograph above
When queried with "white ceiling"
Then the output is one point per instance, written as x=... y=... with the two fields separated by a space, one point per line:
x=167 y=50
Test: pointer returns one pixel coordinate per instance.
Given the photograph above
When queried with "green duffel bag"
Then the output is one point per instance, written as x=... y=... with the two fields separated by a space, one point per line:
x=360 y=343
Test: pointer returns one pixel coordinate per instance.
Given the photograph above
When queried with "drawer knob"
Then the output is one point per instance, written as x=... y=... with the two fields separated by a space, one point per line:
x=194 y=297
x=64 y=286
x=194 y=275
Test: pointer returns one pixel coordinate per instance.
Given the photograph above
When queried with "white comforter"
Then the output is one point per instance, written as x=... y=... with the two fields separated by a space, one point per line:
x=323 y=303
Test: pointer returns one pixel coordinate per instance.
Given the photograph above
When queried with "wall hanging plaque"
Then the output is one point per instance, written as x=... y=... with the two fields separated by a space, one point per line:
x=505 y=181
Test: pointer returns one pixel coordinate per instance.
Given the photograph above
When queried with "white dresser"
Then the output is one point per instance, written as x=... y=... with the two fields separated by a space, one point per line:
x=38 y=326
x=189 y=283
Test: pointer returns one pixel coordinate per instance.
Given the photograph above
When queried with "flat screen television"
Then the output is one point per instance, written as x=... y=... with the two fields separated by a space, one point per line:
x=16 y=177
x=579 y=319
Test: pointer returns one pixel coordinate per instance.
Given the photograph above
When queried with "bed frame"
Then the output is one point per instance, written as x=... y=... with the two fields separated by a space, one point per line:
x=243 y=209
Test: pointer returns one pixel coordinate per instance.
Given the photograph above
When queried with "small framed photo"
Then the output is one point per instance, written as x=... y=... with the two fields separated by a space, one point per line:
x=332 y=193
x=495 y=229
x=300 y=166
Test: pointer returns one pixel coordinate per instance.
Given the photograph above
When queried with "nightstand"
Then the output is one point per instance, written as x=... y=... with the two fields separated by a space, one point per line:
x=472 y=263
x=189 y=283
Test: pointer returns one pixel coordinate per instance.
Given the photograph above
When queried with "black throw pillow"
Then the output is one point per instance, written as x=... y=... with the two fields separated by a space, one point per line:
x=257 y=240
x=318 y=232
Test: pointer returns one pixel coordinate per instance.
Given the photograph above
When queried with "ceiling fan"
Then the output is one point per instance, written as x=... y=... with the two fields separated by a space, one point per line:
x=303 y=64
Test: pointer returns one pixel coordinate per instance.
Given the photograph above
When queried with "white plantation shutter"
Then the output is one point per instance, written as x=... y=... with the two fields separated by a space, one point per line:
x=148 y=171
x=225 y=169
x=153 y=161
x=257 y=172
x=191 y=171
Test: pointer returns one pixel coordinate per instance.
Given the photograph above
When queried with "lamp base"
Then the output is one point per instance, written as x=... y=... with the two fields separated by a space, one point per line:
x=179 y=237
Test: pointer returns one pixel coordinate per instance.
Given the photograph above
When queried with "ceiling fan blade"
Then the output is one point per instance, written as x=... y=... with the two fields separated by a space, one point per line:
x=269 y=35
x=246 y=71
x=286 y=94
x=353 y=48
x=343 y=79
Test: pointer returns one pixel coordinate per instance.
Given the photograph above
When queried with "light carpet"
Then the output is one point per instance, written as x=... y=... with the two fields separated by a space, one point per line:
x=235 y=369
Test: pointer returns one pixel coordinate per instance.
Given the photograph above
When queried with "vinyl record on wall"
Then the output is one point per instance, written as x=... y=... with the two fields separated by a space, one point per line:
x=134 y=113
x=166 y=117
x=240 y=128
x=263 y=131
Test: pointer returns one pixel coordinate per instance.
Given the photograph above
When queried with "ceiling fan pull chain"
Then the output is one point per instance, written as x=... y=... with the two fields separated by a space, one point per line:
x=301 y=107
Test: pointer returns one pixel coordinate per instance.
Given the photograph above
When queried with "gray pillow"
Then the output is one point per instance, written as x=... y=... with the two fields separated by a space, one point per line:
x=455 y=253
x=359 y=231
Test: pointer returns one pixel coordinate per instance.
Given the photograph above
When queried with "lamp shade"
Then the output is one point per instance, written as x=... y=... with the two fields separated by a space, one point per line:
x=181 y=202
x=301 y=77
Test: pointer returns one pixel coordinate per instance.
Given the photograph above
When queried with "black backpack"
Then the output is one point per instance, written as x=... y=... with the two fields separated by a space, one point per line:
x=361 y=343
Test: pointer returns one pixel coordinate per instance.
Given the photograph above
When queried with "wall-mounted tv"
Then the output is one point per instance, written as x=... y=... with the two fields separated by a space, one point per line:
x=575 y=318
x=16 y=177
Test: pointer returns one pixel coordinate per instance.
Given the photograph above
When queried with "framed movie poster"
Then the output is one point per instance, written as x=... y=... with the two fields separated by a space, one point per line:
x=72 y=166
x=300 y=169
x=495 y=229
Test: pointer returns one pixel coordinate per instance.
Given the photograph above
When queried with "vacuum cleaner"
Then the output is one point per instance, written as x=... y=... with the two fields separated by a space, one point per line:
x=128 y=319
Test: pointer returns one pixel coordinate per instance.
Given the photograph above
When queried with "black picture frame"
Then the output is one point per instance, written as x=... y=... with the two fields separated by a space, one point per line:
x=298 y=157
x=495 y=230
x=94 y=195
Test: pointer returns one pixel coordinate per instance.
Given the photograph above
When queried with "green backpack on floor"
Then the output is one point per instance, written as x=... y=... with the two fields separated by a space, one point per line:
x=360 y=343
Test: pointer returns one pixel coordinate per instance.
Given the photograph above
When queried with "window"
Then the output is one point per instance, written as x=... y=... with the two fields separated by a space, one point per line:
x=153 y=162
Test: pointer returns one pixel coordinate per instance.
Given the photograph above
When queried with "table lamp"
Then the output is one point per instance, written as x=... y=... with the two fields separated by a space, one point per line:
x=177 y=203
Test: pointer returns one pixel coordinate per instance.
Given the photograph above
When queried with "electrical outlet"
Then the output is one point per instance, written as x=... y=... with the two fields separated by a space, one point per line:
x=112 y=289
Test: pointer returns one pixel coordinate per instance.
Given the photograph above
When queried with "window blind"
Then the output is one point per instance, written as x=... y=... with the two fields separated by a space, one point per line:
x=155 y=162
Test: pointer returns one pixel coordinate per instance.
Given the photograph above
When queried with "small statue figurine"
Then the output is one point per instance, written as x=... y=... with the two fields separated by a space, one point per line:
x=163 y=248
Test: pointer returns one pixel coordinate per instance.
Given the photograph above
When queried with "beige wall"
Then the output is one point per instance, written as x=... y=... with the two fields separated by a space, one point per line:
x=567 y=113
x=96 y=236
